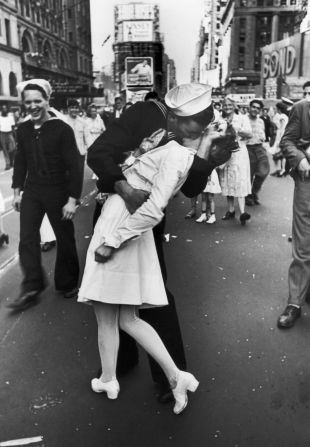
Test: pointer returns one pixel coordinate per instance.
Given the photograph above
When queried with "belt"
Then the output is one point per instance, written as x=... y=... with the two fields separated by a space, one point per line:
x=10 y=131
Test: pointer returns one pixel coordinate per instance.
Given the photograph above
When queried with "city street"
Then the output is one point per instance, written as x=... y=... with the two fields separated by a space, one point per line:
x=230 y=284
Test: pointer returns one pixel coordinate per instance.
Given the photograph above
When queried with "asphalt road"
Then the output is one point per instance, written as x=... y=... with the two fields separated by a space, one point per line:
x=230 y=284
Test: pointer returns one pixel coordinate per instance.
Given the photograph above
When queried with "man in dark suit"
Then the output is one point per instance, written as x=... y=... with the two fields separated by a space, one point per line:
x=294 y=145
x=125 y=134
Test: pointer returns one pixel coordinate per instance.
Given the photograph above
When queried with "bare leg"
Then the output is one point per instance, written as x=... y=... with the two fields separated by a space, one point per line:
x=148 y=338
x=230 y=203
x=192 y=212
x=241 y=202
x=203 y=202
x=211 y=202
x=108 y=338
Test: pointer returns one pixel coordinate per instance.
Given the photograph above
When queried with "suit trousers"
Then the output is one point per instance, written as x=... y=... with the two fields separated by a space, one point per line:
x=299 y=270
x=36 y=201
x=259 y=164
x=163 y=319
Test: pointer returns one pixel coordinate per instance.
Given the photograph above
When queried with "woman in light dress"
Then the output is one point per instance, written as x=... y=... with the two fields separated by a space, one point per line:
x=280 y=119
x=234 y=176
x=122 y=271
x=207 y=199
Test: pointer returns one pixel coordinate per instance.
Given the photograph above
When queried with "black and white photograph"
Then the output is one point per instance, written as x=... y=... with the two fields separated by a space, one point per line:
x=154 y=223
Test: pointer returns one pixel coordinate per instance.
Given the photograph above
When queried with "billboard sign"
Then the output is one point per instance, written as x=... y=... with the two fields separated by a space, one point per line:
x=138 y=31
x=281 y=58
x=135 y=96
x=139 y=71
x=133 y=11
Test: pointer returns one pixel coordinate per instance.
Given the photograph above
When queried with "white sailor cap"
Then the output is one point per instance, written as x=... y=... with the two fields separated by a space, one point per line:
x=189 y=99
x=43 y=83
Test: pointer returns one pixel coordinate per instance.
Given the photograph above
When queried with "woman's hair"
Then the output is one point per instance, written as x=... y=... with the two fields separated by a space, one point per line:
x=202 y=118
x=34 y=87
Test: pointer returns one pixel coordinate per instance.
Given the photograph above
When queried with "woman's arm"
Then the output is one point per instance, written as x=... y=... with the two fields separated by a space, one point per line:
x=172 y=170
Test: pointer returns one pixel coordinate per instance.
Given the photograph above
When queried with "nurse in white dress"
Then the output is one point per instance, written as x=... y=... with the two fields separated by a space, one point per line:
x=235 y=175
x=122 y=271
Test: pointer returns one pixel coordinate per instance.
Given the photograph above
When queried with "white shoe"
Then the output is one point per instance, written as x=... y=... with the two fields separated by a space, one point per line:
x=111 y=387
x=186 y=382
x=202 y=218
x=211 y=219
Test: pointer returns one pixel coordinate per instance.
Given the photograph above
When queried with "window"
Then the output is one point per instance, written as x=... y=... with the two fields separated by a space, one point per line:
x=1 y=85
x=27 y=8
x=70 y=36
x=7 y=31
x=69 y=13
x=12 y=84
x=283 y=2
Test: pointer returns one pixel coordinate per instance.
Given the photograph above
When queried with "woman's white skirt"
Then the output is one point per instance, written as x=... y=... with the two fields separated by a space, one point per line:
x=132 y=275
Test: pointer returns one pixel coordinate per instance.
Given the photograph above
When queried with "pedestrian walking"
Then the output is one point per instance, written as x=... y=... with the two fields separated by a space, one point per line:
x=46 y=169
x=126 y=134
x=94 y=125
x=120 y=278
x=4 y=237
x=7 y=142
x=207 y=199
x=235 y=175
x=280 y=120
x=294 y=145
x=258 y=155
x=78 y=124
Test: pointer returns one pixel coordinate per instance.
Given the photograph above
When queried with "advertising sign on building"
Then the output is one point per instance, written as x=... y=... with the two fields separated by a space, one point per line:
x=135 y=96
x=242 y=98
x=282 y=58
x=135 y=11
x=138 y=31
x=139 y=71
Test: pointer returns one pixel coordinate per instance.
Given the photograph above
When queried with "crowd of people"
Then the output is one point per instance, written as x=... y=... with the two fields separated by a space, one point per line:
x=145 y=155
x=259 y=131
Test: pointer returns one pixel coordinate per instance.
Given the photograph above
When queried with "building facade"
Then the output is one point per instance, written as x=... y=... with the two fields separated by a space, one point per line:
x=140 y=62
x=55 y=39
x=249 y=25
x=10 y=54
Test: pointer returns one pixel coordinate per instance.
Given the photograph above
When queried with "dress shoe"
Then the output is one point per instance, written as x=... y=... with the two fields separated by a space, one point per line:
x=26 y=300
x=47 y=246
x=202 y=218
x=244 y=217
x=249 y=201
x=275 y=173
x=212 y=219
x=288 y=318
x=165 y=396
x=4 y=238
x=111 y=387
x=255 y=199
x=190 y=214
x=73 y=293
x=229 y=215
x=185 y=382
